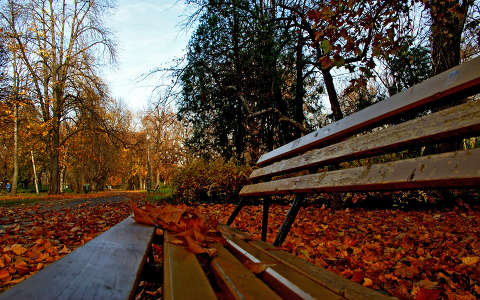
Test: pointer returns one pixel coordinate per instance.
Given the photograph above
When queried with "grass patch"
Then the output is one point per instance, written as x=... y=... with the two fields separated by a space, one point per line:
x=19 y=201
x=163 y=193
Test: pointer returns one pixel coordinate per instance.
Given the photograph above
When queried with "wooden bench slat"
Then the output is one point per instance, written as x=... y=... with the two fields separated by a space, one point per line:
x=334 y=282
x=460 y=78
x=183 y=276
x=236 y=280
x=456 y=121
x=108 y=267
x=286 y=281
x=453 y=169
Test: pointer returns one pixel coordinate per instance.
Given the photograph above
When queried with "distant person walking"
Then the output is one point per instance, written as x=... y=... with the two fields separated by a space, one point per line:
x=8 y=187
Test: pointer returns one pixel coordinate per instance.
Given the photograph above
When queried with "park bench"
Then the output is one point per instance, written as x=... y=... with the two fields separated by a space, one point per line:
x=350 y=139
x=109 y=266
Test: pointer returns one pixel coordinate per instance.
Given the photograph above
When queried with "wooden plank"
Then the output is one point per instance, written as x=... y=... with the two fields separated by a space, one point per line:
x=236 y=280
x=342 y=286
x=287 y=282
x=107 y=267
x=453 y=169
x=465 y=77
x=183 y=275
x=459 y=121
x=339 y=285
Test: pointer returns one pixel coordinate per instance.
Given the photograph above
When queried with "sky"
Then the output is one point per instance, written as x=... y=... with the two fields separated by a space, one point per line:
x=149 y=35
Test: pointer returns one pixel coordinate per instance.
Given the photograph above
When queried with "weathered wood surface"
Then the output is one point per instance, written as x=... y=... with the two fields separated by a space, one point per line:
x=107 y=267
x=236 y=281
x=336 y=283
x=460 y=78
x=453 y=169
x=462 y=120
x=287 y=282
x=183 y=276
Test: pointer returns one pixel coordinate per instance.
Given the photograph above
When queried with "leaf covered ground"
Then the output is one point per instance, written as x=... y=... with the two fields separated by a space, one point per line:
x=409 y=254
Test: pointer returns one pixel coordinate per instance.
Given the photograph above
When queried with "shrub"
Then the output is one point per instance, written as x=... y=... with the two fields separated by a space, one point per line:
x=216 y=180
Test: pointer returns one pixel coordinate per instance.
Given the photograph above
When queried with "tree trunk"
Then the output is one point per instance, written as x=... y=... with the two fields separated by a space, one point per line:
x=53 y=165
x=34 y=173
x=332 y=95
x=62 y=176
x=299 y=85
x=15 y=150
x=448 y=21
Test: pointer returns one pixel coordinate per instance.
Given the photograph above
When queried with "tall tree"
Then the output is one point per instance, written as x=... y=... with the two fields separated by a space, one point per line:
x=57 y=41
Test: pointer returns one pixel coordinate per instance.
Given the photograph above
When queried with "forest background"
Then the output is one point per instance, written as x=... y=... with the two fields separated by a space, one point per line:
x=256 y=75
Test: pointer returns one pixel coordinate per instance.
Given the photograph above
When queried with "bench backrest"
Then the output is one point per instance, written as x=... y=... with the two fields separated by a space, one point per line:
x=442 y=170
x=464 y=79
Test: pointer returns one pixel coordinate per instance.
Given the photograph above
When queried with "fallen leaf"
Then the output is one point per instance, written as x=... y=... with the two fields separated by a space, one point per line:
x=141 y=216
x=258 y=268
x=65 y=250
x=470 y=260
x=194 y=247
x=18 y=249
x=75 y=229
x=21 y=267
x=15 y=281
x=367 y=282
x=4 y=275
x=426 y=294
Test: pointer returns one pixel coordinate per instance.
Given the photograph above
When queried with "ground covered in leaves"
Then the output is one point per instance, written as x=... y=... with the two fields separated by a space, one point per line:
x=34 y=235
x=409 y=254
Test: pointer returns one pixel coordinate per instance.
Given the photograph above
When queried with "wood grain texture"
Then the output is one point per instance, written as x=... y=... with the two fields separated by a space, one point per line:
x=107 y=267
x=236 y=280
x=183 y=276
x=459 y=121
x=460 y=78
x=342 y=286
x=453 y=169
x=287 y=282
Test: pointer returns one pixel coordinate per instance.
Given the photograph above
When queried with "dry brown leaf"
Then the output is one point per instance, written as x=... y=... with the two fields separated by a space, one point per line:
x=258 y=268
x=367 y=282
x=470 y=260
x=75 y=229
x=141 y=216
x=4 y=275
x=65 y=250
x=193 y=246
x=18 y=249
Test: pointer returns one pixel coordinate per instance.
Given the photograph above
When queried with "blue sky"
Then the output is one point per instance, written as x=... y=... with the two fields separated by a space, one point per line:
x=149 y=35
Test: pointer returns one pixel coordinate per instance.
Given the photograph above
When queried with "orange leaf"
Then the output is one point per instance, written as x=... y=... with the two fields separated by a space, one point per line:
x=141 y=216
x=425 y=294
x=21 y=267
x=65 y=250
x=367 y=282
x=18 y=249
x=4 y=275
x=194 y=246
x=15 y=281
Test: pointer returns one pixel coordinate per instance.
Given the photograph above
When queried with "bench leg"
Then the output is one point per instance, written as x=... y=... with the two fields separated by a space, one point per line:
x=266 y=205
x=287 y=223
x=234 y=214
